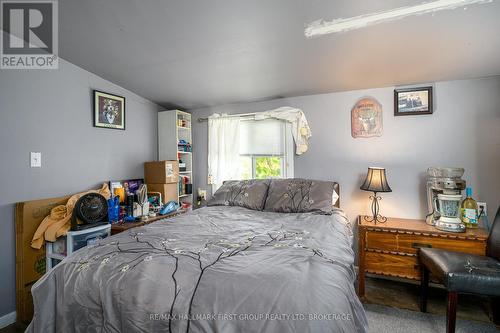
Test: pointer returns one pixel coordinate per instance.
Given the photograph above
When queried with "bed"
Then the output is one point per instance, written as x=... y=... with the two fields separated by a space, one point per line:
x=218 y=269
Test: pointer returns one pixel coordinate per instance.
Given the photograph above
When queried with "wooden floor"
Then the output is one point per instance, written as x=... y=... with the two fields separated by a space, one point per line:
x=404 y=295
x=395 y=294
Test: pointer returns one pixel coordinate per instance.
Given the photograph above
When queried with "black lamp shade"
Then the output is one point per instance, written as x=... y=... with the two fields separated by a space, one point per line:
x=376 y=181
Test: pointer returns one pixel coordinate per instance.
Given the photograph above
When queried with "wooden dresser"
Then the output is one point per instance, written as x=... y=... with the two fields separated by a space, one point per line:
x=390 y=249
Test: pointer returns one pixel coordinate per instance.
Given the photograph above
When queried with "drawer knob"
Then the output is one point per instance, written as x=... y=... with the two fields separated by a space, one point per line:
x=419 y=245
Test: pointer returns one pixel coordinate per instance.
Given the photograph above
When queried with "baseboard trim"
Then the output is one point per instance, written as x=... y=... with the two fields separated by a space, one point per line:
x=8 y=319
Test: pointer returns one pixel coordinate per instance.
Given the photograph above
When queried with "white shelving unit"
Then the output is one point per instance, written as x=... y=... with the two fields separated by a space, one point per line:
x=174 y=126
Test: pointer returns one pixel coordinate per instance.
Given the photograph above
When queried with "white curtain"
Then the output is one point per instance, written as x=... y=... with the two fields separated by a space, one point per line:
x=223 y=149
x=301 y=131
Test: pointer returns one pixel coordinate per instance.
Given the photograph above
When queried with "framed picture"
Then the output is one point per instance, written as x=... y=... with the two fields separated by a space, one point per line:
x=366 y=118
x=413 y=101
x=109 y=110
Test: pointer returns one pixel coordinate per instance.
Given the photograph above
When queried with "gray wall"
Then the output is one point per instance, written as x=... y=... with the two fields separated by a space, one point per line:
x=464 y=131
x=51 y=111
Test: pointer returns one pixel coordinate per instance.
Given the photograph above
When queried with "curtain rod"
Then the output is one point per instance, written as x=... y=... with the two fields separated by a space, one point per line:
x=200 y=120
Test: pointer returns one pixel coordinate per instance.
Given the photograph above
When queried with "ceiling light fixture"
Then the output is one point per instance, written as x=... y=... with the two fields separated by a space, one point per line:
x=321 y=27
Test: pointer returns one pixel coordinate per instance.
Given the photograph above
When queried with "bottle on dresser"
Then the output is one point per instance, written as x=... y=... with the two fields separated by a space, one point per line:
x=469 y=210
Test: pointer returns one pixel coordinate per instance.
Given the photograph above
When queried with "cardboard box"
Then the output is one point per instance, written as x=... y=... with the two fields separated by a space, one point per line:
x=168 y=191
x=161 y=172
x=30 y=262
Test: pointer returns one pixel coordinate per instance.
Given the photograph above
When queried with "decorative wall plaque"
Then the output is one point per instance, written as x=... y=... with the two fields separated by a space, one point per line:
x=366 y=118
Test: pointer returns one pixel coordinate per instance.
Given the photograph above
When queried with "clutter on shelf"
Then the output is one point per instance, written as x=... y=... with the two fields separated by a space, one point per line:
x=183 y=121
x=184 y=146
x=175 y=147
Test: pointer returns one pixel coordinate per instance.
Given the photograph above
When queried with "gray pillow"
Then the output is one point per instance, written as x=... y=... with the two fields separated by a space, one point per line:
x=244 y=193
x=299 y=196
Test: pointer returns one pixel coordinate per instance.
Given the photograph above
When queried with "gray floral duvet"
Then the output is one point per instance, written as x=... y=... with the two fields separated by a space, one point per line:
x=217 y=269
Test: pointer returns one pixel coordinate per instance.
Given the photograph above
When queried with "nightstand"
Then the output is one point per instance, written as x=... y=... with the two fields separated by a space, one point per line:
x=122 y=226
x=390 y=249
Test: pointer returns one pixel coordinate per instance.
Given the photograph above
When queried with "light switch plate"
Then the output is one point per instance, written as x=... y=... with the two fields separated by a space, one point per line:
x=36 y=159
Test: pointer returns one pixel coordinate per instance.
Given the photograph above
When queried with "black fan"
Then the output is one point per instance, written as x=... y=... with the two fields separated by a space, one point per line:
x=90 y=210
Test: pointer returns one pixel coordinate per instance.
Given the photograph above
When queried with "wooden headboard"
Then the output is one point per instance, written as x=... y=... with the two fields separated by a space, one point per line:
x=336 y=187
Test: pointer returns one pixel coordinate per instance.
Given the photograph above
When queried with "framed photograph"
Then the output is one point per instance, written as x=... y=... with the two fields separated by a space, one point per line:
x=109 y=110
x=366 y=118
x=413 y=101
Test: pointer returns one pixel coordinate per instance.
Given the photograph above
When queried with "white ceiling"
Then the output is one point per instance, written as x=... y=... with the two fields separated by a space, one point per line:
x=195 y=53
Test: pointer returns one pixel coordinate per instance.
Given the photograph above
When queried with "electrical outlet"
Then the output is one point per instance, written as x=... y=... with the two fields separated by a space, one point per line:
x=202 y=194
x=36 y=159
x=481 y=207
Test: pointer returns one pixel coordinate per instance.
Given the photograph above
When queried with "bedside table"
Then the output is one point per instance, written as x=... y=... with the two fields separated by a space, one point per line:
x=122 y=226
x=390 y=249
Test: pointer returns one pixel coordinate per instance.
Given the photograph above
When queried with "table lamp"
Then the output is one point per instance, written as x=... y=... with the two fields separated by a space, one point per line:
x=375 y=182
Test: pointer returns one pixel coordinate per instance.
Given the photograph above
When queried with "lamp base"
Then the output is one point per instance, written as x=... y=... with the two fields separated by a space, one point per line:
x=376 y=217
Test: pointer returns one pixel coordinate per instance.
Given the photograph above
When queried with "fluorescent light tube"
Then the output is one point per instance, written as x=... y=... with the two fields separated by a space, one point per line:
x=321 y=27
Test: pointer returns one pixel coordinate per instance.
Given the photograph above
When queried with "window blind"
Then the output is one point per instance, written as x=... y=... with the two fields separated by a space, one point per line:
x=262 y=137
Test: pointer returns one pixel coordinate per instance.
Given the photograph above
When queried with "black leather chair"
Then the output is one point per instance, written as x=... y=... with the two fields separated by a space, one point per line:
x=464 y=273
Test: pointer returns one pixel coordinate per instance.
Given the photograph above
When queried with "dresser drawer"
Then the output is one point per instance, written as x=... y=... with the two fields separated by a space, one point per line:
x=409 y=243
x=392 y=265
x=384 y=241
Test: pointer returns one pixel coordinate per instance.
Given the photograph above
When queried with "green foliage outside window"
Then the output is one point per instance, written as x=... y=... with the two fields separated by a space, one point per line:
x=267 y=167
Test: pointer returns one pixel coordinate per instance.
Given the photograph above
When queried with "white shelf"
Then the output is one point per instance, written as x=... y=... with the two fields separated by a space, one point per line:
x=170 y=132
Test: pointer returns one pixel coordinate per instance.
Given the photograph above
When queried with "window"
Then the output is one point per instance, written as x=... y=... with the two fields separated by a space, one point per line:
x=266 y=149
